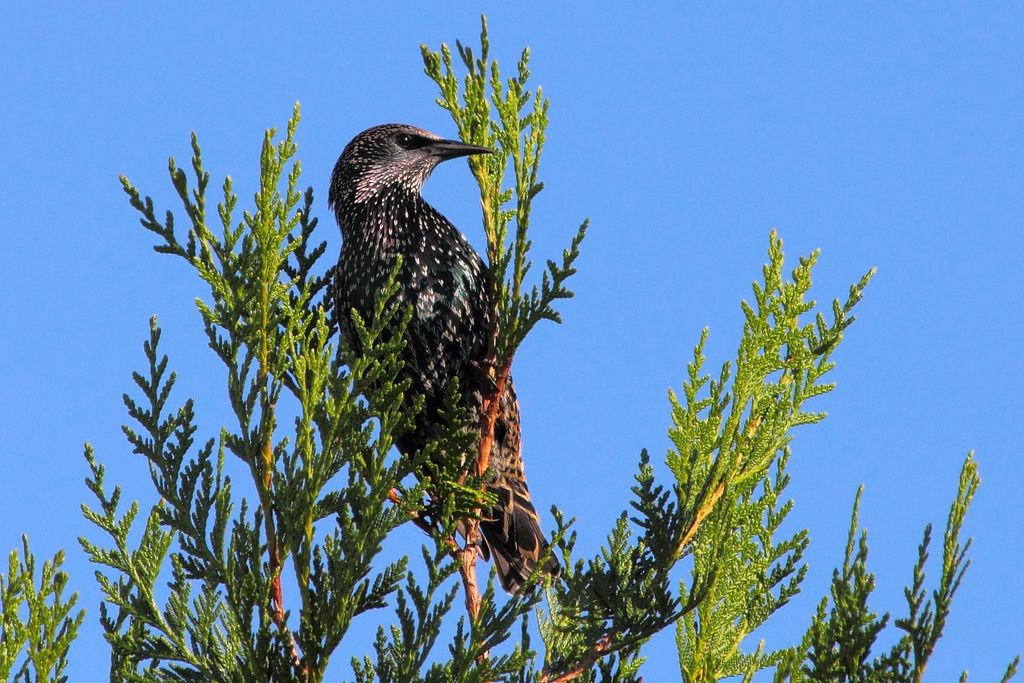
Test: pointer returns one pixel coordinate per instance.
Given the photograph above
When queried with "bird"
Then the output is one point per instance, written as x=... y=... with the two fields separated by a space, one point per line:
x=375 y=193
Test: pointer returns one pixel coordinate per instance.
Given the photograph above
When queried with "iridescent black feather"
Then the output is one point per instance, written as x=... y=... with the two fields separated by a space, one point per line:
x=375 y=194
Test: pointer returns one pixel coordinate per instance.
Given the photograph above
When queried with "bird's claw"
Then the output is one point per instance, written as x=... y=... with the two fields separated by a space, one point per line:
x=482 y=371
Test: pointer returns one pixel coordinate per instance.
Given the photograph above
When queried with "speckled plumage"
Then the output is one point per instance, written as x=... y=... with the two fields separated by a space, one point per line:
x=375 y=194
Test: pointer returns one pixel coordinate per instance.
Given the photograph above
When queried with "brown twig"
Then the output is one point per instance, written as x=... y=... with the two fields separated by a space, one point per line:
x=585 y=662
x=702 y=512
x=276 y=595
x=467 y=570
x=277 y=611
x=467 y=554
x=491 y=403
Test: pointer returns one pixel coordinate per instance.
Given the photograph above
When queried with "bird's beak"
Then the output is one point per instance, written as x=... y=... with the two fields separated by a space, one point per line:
x=450 y=149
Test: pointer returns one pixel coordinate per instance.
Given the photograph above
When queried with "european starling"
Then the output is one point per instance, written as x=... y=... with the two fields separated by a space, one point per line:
x=375 y=194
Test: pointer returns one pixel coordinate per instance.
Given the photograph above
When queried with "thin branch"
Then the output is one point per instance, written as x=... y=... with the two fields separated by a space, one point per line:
x=467 y=555
x=492 y=401
x=702 y=512
x=598 y=650
x=415 y=517
x=467 y=570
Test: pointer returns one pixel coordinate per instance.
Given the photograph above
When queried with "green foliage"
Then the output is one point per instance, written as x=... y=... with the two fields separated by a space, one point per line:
x=722 y=508
x=403 y=650
x=840 y=641
x=320 y=494
x=518 y=136
x=839 y=644
x=36 y=621
x=726 y=437
x=754 y=575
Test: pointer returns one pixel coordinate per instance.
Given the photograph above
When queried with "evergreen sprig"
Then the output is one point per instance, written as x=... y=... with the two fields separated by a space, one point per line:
x=754 y=576
x=37 y=623
x=726 y=435
x=840 y=643
x=840 y=639
x=517 y=134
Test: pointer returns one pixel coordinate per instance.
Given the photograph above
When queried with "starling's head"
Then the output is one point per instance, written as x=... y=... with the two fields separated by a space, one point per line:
x=391 y=157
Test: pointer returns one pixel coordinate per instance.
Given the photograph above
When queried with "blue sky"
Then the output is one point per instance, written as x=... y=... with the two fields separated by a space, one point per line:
x=888 y=136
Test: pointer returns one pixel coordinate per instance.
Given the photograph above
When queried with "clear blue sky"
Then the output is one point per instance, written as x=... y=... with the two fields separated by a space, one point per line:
x=888 y=137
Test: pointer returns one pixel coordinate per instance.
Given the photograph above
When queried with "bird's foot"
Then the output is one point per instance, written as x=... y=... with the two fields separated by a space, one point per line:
x=483 y=373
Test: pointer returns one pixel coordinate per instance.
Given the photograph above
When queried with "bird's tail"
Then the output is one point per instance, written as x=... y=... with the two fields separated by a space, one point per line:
x=512 y=536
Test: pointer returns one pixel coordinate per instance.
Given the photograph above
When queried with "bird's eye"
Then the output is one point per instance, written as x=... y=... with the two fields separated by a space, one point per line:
x=404 y=140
